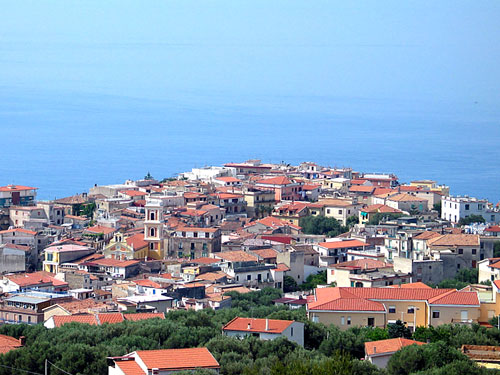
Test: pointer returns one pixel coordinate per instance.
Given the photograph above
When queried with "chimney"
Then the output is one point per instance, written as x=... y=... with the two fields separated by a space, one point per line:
x=374 y=350
x=249 y=325
x=22 y=340
x=267 y=324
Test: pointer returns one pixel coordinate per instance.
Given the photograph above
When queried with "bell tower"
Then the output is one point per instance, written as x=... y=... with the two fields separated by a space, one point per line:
x=153 y=228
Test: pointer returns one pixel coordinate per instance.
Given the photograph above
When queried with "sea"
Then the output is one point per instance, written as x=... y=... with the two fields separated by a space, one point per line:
x=96 y=92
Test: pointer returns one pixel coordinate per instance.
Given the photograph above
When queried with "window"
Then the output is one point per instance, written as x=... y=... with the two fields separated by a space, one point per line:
x=460 y=251
x=348 y=320
x=392 y=309
x=371 y=322
x=192 y=245
x=29 y=319
x=195 y=234
x=204 y=247
x=259 y=277
x=411 y=309
x=152 y=232
x=435 y=314
x=291 y=331
x=466 y=206
x=342 y=320
x=458 y=266
x=207 y=235
x=180 y=245
x=340 y=212
x=327 y=210
x=249 y=277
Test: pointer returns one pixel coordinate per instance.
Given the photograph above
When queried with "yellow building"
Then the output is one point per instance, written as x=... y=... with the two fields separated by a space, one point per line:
x=127 y=248
x=432 y=186
x=414 y=305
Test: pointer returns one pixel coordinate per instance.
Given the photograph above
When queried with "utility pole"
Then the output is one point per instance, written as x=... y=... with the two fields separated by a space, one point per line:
x=46 y=367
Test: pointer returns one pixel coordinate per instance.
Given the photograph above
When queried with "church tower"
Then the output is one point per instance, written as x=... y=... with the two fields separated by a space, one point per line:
x=153 y=228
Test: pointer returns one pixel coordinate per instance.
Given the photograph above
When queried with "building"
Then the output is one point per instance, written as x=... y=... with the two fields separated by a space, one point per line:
x=57 y=255
x=127 y=248
x=368 y=212
x=8 y=343
x=455 y=208
x=27 y=217
x=340 y=209
x=40 y=280
x=335 y=251
x=162 y=362
x=194 y=242
x=114 y=268
x=365 y=273
x=259 y=202
x=153 y=228
x=379 y=352
x=283 y=187
x=376 y=307
x=265 y=329
x=17 y=195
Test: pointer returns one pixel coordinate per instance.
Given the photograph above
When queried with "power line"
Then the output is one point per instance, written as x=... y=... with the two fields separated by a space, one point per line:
x=20 y=369
x=60 y=369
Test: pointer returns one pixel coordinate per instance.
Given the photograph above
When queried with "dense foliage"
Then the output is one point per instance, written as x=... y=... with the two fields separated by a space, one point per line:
x=463 y=278
x=383 y=216
x=471 y=220
x=82 y=349
x=322 y=225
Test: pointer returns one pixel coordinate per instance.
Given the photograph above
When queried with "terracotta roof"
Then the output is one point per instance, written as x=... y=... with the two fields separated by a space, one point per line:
x=100 y=229
x=236 y=256
x=341 y=299
x=375 y=208
x=59 y=320
x=453 y=240
x=342 y=244
x=415 y=285
x=266 y=253
x=35 y=278
x=282 y=267
x=403 y=197
x=274 y=222
x=388 y=346
x=497 y=283
x=109 y=262
x=8 y=343
x=110 y=318
x=133 y=193
x=335 y=203
x=257 y=325
x=130 y=367
x=196 y=229
x=228 y=179
x=17 y=247
x=16 y=188
x=279 y=180
x=361 y=189
x=362 y=264
x=357 y=182
x=18 y=230
x=427 y=235
x=493 y=228
x=205 y=260
x=143 y=316
x=309 y=187
x=75 y=199
x=212 y=276
x=136 y=241
x=147 y=283
x=178 y=359
x=456 y=298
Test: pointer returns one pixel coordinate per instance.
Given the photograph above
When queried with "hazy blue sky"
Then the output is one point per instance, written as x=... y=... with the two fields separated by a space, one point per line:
x=99 y=91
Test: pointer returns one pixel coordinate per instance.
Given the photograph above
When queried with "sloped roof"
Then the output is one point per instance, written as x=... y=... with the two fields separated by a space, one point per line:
x=362 y=264
x=342 y=244
x=266 y=253
x=143 y=316
x=236 y=256
x=340 y=299
x=16 y=188
x=453 y=240
x=456 y=298
x=59 y=320
x=178 y=359
x=35 y=278
x=137 y=241
x=100 y=229
x=375 y=208
x=257 y=325
x=493 y=228
x=8 y=343
x=361 y=189
x=389 y=345
x=110 y=318
x=415 y=285
x=403 y=197
x=130 y=367
x=18 y=230
x=279 y=180
x=427 y=235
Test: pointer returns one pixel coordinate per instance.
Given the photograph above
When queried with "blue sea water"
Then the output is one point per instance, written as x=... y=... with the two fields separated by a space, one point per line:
x=98 y=92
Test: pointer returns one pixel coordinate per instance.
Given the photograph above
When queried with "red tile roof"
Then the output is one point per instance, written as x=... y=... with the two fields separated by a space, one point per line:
x=342 y=244
x=143 y=316
x=16 y=188
x=403 y=197
x=266 y=253
x=133 y=193
x=280 y=180
x=282 y=267
x=236 y=256
x=8 y=343
x=178 y=359
x=130 y=367
x=415 y=285
x=257 y=325
x=59 y=320
x=361 y=189
x=110 y=318
x=109 y=262
x=427 y=235
x=137 y=241
x=374 y=208
x=228 y=179
x=205 y=260
x=340 y=299
x=456 y=298
x=388 y=346
x=18 y=230
x=35 y=278
x=100 y=229
x=453 y=240
x=493 y=228
x=368 y=264
x=147 y=283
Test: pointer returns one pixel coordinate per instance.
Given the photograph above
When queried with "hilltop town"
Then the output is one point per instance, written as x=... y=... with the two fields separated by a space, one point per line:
x=262 y=251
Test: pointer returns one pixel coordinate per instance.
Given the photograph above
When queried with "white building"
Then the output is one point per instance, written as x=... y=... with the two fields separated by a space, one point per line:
x=209 y=173
x=265 y=329
x=455 y=208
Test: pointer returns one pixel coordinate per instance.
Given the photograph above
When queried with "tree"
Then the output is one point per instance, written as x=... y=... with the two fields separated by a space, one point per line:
x=398 y=329
x=289 y=284
x=464 y=277
x=437 y=207
x=496 y=249
x=383 y=216
x=148 y=176
x=351 y=220
x=322 y=225
x=471 y=219
x=312 y=281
